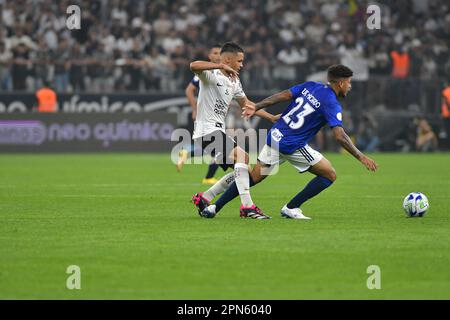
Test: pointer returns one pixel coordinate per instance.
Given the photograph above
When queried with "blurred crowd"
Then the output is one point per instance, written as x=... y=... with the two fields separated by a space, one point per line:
x=143 y=45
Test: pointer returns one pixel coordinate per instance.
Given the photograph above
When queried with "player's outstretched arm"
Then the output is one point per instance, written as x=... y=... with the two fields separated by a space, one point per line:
x=244 y=103
x=199 y=66
x=344 y=140
x=251 y=108
x=282 y=96
x=268 y=116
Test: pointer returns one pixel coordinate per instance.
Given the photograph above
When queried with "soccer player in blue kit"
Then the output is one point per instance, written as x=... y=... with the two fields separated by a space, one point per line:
x=313 y=105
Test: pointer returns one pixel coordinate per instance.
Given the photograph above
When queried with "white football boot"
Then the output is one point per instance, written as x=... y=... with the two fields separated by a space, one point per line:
x=295 y=213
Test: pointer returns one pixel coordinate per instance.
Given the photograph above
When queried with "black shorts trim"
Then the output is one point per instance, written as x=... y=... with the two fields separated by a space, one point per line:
x=306 y=154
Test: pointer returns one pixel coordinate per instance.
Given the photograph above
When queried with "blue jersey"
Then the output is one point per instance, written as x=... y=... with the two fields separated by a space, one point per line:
x=313 y=106
x=196 y=81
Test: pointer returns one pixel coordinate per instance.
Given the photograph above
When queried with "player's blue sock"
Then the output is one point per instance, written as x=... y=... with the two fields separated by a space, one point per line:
x=229 y=194
x=313 y=188
x=211 y=170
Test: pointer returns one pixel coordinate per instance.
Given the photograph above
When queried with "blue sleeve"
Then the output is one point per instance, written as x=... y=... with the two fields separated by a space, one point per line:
x=195 y=81
x=333 y=114
x=296 y=90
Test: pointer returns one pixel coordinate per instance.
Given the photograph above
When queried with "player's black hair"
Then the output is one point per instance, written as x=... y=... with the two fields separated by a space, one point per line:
x=231 y=47
x=338 y=71
x=216 y=45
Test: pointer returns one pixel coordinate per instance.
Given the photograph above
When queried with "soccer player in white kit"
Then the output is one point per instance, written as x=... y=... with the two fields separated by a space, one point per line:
x=192 y=87
x=219 y=84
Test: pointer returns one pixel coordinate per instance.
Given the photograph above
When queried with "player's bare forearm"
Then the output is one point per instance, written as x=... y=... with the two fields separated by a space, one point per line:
x=348 y=145
x=274 y=99
x=244 y=102
x=198 y=66
x=344 y=140
x=266 y=115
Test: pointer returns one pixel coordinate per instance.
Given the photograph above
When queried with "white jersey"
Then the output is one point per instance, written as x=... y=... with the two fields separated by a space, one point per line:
x=214 y=97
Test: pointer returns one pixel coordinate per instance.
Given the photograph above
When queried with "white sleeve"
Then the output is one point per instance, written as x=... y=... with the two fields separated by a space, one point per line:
x=239 y=92
x=205 y=76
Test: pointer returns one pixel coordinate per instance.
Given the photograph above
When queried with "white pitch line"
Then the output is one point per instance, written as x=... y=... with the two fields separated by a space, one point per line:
x=95 y=185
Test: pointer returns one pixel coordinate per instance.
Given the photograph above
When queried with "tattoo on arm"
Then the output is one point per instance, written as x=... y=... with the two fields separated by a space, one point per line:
x=274 y=99
x=348 y=145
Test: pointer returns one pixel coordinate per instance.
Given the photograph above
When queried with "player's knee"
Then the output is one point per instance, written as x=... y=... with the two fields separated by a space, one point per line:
x=331 y=175
x=258 y=178
x=241 y=156
x=255 y=176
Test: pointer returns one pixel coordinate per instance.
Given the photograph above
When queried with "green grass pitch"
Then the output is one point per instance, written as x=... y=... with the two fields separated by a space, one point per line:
x=126 y=221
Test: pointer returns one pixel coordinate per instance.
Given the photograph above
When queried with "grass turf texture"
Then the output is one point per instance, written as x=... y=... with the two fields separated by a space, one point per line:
x=126 y=220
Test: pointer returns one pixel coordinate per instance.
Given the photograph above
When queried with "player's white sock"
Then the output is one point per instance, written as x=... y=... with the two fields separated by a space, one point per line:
x=241 y=177
x=219 y=187
x=212 y=208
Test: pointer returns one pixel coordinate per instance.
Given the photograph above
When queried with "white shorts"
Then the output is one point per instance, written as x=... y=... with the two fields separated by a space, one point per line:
x=301 y=159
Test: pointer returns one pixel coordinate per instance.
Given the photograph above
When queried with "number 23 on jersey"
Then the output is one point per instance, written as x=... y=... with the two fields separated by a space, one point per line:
x=296 y=117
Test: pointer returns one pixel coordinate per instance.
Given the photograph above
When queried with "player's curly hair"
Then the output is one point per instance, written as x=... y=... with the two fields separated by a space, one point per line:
x=338 y=71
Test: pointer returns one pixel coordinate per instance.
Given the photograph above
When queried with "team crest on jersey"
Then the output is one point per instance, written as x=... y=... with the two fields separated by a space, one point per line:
x=276 y=135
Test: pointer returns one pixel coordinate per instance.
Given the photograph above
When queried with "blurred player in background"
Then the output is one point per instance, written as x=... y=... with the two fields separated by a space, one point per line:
x=313 y=105
x=192 y=87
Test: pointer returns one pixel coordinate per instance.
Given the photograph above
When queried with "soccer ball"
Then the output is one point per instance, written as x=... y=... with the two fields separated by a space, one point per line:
x=415 y=204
